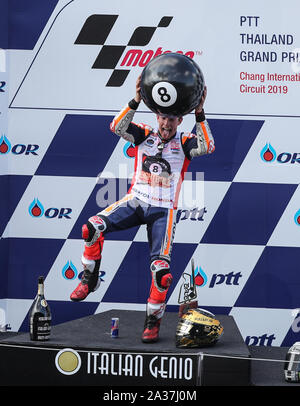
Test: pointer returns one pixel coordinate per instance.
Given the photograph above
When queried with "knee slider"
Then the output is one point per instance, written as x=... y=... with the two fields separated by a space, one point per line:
x=93 y=228
x=92 y=233
x=161 y=275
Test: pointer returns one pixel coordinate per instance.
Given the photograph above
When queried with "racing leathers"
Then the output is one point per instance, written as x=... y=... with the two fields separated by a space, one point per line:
x=159 y=169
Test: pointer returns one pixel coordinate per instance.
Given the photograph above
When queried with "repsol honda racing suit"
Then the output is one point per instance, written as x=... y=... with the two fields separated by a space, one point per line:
x=152 y=200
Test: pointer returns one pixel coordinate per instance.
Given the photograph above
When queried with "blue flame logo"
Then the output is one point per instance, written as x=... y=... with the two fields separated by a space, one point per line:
x=69 y=271
x=129 y=150
x=5 y=145
x=268 y=153
x=36 y=209
x=200 y=277
x=297 y=218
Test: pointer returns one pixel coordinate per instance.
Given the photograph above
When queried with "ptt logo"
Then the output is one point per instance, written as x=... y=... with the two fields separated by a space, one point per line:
x=96 y=30
x=268 y=154
x=263 y=340
x=195 y=214
x=201 y=278
x=36 y=209
x=17 y=149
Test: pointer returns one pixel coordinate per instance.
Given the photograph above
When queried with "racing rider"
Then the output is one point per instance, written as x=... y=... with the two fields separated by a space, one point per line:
x=162 y=156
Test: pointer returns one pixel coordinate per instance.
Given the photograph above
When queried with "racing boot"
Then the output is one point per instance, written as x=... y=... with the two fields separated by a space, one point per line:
x=91 y=258
x=90 y=280
x=153 y=319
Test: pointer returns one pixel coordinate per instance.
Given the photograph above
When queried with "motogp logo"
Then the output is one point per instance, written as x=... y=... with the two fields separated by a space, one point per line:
x=96 y=30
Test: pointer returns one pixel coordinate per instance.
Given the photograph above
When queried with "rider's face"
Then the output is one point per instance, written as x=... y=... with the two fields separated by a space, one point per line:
x=168 y=126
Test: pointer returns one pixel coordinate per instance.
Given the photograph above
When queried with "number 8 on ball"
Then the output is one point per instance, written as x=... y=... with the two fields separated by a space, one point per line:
x=164 y=94
x=172 y=84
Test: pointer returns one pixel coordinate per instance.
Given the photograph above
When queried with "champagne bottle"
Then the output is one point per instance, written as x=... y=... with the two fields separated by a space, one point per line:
x=40 y=315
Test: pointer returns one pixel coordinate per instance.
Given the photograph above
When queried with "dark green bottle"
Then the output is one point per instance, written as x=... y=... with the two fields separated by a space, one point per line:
x=40 y=315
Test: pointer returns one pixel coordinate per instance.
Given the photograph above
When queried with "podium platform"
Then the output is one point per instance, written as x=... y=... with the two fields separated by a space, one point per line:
x=82 y=352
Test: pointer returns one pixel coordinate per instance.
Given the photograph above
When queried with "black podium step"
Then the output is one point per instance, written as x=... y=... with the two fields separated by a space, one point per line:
x=82 y=352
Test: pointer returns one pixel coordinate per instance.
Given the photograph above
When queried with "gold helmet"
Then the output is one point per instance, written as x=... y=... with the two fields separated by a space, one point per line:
x=198 y=328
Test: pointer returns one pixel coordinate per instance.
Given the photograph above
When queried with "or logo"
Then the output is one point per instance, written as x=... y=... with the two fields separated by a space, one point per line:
x=18 y=149
x=68 y=361
x=36 y=210
x=96 y=30
x=268 y=154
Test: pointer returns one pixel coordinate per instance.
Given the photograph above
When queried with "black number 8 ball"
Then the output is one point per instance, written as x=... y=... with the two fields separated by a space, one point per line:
x=172 y=84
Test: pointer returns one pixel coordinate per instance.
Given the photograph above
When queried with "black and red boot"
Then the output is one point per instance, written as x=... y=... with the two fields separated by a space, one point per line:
x=90 y=280
x=152 y=322
x=151 y=329
x=91 y=258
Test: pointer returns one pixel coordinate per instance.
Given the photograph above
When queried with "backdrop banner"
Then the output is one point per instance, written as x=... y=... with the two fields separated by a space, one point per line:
x=66 y=68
